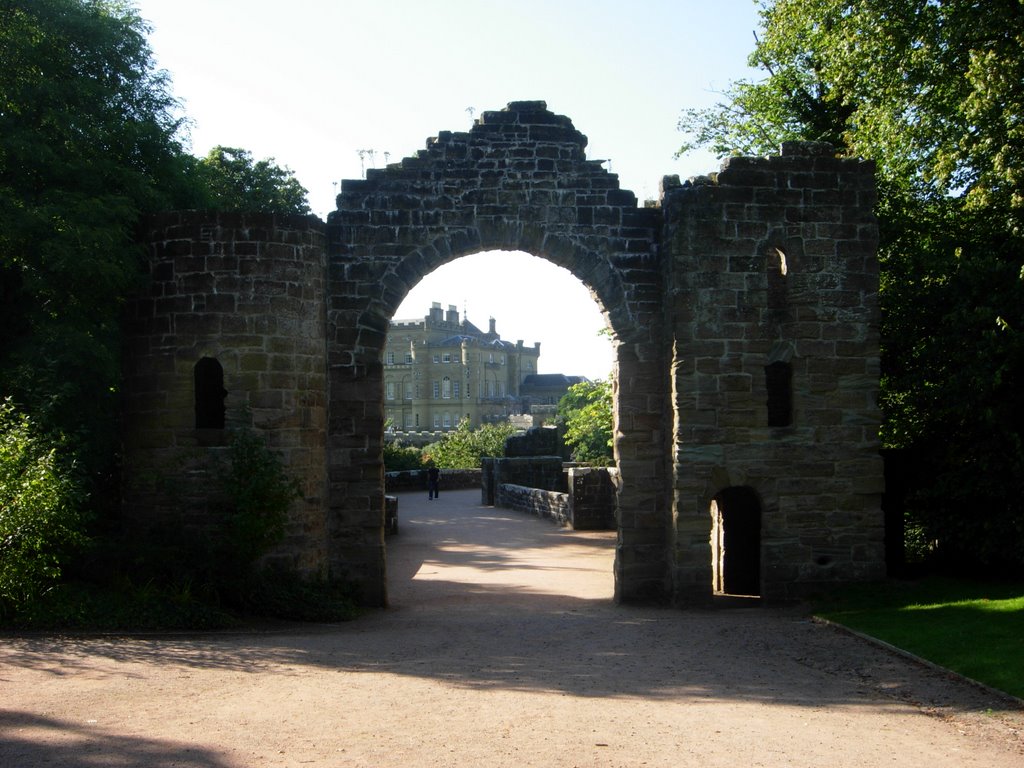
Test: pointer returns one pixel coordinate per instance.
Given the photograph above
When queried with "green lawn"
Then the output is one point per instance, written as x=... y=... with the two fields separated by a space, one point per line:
x=974 y=628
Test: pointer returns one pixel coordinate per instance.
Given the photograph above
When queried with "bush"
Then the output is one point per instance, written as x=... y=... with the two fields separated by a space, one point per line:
x=258 y=494
x=172 y=578
x=585 y=413
x=463 y=448
x=40 y=510
x=274 y=593
x=398 y=457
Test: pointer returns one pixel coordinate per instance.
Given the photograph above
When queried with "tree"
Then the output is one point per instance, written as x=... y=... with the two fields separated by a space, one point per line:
x=39 y=510
x=933 y=91
x=398 y=457
x=88 y=142
x=585 y=413
x=464 y=447
x=233 y=181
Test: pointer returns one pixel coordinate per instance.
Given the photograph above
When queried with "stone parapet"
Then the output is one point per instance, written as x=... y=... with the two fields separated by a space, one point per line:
x=416 y=479
x=546 y=504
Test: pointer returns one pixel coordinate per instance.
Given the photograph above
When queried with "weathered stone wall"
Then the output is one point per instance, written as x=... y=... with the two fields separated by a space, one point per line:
x=592 y=498
x=416 y=480
x=537 y=441
x=773 y=261
x=544 y=472
x=744 y=317
x=535 y=501
x=248 y=291
x=518 y=180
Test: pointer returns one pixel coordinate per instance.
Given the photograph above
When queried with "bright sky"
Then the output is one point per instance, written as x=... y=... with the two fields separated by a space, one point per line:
x=312 y=82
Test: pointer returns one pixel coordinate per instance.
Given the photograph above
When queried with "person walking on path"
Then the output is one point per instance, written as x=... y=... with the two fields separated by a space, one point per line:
x=433 y=482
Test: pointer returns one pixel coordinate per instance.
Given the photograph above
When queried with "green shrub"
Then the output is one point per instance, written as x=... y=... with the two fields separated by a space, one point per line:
x=40 y=510
x=398 y=457
x=464 y=447
x=122 y=605
x=585 y=413
x=271 y=592
x=258 y=494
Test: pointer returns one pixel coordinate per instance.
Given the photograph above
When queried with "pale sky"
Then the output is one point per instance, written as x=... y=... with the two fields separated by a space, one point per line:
x=312 y=82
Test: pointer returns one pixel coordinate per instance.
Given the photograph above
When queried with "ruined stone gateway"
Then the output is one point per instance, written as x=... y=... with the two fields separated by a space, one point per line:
x=744 y=313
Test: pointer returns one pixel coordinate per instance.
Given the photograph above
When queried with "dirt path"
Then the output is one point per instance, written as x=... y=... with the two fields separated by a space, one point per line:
x=502 y=648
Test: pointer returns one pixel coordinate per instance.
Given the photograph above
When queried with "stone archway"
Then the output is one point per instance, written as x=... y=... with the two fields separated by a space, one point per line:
x=518 y=180
x=744 y=312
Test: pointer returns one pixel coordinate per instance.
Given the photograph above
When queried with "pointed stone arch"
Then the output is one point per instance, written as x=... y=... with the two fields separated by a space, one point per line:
x=518 y=180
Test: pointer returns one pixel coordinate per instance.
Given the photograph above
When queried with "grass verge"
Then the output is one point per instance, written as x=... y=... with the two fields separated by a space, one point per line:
x=973 y=628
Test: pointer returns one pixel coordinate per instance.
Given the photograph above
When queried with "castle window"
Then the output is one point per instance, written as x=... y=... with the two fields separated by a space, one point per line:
x=455 y=390
x=208 y=377
x=447 y=421
x=447 y=357
x=389 y=390
x=437 y=389
x=390 y=360
x=778 y=378
x=446 y=388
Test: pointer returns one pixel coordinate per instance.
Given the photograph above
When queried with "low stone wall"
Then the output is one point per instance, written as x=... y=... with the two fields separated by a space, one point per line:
x=390 y=514
x=549 y=504
x=592 y=498
x=540 y=441
x=416 y=480
x=589 y=492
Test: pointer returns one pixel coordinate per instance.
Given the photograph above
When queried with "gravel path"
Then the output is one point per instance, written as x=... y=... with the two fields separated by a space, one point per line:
x=502 y=648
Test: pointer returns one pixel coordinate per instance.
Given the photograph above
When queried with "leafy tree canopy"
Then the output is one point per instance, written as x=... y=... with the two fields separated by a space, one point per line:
x=234 y=181
x=933 y=91
x=585 y=413
x=464 y=447
x=39 y=511
x=89 y=139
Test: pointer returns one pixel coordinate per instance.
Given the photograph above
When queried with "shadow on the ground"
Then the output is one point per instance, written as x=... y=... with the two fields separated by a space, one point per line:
x=457 y=531
x=29 y=739
x=483 y=635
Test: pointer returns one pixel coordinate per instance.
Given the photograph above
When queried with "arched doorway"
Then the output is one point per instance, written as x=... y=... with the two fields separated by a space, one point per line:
x=736 y=542
x=519 y=180
x=699 y=310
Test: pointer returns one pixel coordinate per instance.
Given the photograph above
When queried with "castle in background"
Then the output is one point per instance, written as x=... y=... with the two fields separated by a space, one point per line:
x=442 y=369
